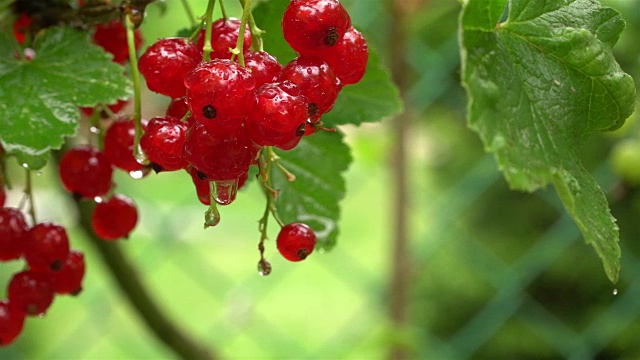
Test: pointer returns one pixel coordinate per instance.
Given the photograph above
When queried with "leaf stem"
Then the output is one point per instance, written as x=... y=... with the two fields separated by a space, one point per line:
x=208 y=17
x=137 y=96
x=28 y=190
x=189 y=12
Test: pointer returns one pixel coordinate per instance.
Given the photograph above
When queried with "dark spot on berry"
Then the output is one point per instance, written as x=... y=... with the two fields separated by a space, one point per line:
x=301 y=129
x=201 y=175
x=332 y=37
x=77 y=291
x=157 y=168
x=312 y=109
x=76 y=196
x=302 y=253
x=209 y=112
x=56 y=265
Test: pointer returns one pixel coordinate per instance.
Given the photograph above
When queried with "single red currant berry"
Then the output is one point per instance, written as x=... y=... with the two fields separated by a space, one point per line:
x=46 y=248
x=312 y=26
x=178 y=108
x=220 y=94
x=201 y=183
x=86 y=172
x=349 y=57
x=219 y=155
x=296 y=241
x=224 y=36
x=279 y=117
x=316 y=80
x=13 y=230
x=165 y=63
x=163 y=141
x=11 y=322
x=114 y=218
x=112 y=37
x=21 y=28
x=69 y=279
x=264 y=67
x=31 y=292
x=114 y=108
x=118 y=145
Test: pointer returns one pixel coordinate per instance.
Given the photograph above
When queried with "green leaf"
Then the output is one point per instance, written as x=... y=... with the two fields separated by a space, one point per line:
x=539 y=84
x=268 y=16
x=313 y=197
x=39 y=98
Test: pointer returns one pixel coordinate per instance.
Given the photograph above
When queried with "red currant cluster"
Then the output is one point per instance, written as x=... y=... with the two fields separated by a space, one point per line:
x=52 y=268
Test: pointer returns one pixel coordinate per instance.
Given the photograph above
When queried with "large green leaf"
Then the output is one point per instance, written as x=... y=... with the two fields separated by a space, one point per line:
x=539 y=84
x=39 y=98
x=313 y=197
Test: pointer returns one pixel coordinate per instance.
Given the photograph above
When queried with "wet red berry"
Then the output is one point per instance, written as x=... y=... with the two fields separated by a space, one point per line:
x=13 y=230
x=224 y=36
x=31 y=292
x=264 y=67
x=349 y=57
x=47 y=247
x=112 y=37
x=163 y=141
x=11 y=322
x=86 y=172
x=165 y=63
x=69 y=279
x=114 y=218
x=201 y=184
x=118 y=145
x=296 y=241
x=178 y=108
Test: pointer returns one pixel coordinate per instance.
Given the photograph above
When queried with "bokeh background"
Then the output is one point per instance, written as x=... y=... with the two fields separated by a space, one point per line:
x=488 y=273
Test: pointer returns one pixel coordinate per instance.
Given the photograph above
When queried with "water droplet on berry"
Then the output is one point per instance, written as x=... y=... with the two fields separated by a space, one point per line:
x=141 y=158
x=94 y=130
x=139 y=174
x=212 y=216
x=225 y=191
x=264 y=267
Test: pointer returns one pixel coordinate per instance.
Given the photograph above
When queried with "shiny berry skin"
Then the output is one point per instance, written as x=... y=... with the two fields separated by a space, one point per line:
x=279 y=117
x=264 y=67
x=178 y=108
x=316 y=80
x=118 y=145
x=313 y=26
x=219 y=155
x=112 y=37
x=31 y=292
x=46 y=247
x=163 y=141
x=13 y=230
x=114 y=218
x=165 y=63
x=86 y=172
x=220 y=94
x=201 y=183
x=349 y=57
x=296 y=241
x=69 y=279
x=11 y=322
x=224 y=36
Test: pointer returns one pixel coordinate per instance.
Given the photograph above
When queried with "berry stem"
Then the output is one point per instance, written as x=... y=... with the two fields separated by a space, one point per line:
x=212 y=215
x=223 y=10
x=256 y=32
x=208 y=18
x=28 y=190
x=135 y=76
x=189 y=12
x=267 y=157
x=246 y=12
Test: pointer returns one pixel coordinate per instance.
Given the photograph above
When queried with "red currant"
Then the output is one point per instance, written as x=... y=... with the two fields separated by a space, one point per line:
x=114 y=218
x=31 y=292
x=13 y=230
x=86 y=172
x=21 y=28
x=202 y=185
x=165 y=63
x=112 y=37
x=220 y=94
x=224 y=36
x=178 y=108
x=69 y=279
x=296 y=241
x=349 y=57
x=317 y=82
x=11 y=322
x=47 y=247
x=264 y=67
x=220 y=155
x=312 y=26
x=279 y=117
x=163 y=141
x=118 y=145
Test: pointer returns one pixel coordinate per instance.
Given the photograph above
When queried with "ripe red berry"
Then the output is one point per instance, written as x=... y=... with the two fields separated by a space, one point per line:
x=163 y=141
x=118 y=145
x=296 y=241
x=47 y=247
x=165 y=63
x=11 y=322
x=69 y=279
x=31 y=292
x=220 y=94
x=112 y=37
x=349 y=57
x=264 y=67
x=114 y=218
x=224 y=36
x=21 y=28
x=178 y=108
x=86 y=172
x=279 y=117
x=13 y=230
x=220 y=155
x=316 y=80
x=201 y=184
x=312 y=26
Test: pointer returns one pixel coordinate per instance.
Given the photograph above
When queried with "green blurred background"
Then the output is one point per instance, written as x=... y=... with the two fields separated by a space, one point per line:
x=490 y=273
